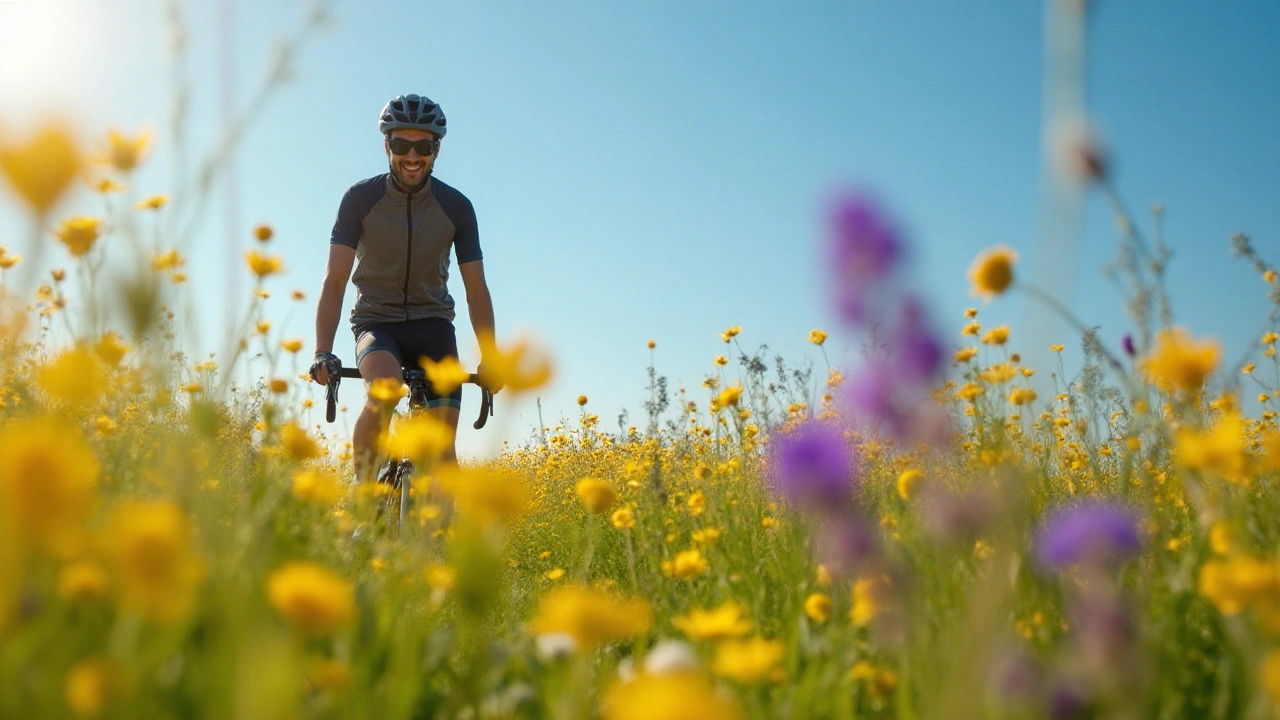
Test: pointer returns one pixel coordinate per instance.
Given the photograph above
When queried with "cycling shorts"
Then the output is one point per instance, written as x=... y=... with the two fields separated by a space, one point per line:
x=409 y=342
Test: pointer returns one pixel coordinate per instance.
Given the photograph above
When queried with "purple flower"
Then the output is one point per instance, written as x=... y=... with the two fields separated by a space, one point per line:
x=871 y=391
x=864 y=246
x=1088 y=533
x=918 y=353
x=813 y=465
x=1127 y=343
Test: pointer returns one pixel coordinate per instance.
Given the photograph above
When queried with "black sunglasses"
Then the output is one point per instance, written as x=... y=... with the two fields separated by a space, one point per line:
x=400 y=146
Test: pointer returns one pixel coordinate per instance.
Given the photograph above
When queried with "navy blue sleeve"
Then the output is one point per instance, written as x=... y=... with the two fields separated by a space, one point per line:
x=355 y=205
x=466 y=238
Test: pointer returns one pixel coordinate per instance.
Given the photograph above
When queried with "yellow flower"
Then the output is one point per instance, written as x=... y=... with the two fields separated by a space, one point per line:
x=124 y=152
x=1180 y=362
x=729 y=396
x=1233 y=584
x=969 y=391
x=484 y=497
x=870 y=598
x=518 y=367
x=441 y=577
x=92 y=685
x=705 y=536
x=822 y=576
x=48 y=479
x=423 y=438
x=387 y=391
x=1220 y=450
x=446 y=375
x=971 y=329
x=1056 y=348
x=82 y=580
x=818 y=607
x=321 y=488
x=1270 y=338
x=297 y=444
x=79 y=233
x=731 y=333
x=688 y=565
x=697 y=503
x=155 y=202
x=668 y=696
x=997 y=374
x=291 y=345
x=76 y=376
x=817 y=337
x=1021 y=396
x=313 y=599
x=996 y=335
x=596 y=495
x=965 y=354
x=582 y=400
x=263 y=265
x=156 y=571
x=167 y=261
x=971 y=313
x=279 y=386
x=722 y=360
x=298 y=295
x=748 y=661
x=329 y=675
x=7 y=261
x=263 y=232
x=41 y=169
x=590 y=616
x=908 y=482
x=651 y=344
x=623 y=519
x=992 y=271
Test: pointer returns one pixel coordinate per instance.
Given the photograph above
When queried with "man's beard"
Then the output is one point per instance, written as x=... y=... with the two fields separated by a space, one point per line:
x=395 y=173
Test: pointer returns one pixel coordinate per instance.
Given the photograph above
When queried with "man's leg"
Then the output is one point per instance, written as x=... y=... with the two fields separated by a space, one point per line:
x=371 y=423
x=449 y=415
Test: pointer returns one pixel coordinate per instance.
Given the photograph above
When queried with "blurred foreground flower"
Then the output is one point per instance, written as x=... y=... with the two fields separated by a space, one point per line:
x=48 y=479
x=671 y=696
x=156 y=570
x=596 y=495
x=813 y=465
x=315 y=600
x=864 y=249
x=992 y=271
x=41 y=169
x=590 y=617
x=422 y=438
x=485 y=497
x=1180 y=362
x=1092 y=533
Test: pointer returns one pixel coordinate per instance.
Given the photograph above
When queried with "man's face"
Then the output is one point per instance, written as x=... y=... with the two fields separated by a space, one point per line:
x=411 y=168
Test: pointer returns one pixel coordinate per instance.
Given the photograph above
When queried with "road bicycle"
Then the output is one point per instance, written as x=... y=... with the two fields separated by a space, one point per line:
x=398 y=473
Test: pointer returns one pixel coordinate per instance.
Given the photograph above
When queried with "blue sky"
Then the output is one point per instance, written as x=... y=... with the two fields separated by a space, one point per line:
x=657 y=169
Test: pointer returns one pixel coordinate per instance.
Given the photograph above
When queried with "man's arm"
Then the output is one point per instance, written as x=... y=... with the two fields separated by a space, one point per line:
x=329 y=308
x=479 y=305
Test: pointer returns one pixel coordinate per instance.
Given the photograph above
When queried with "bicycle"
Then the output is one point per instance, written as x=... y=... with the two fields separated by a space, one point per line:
x=398 y=472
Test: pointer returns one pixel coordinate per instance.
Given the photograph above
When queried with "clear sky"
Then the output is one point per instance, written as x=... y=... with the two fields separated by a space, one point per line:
x=657 y=168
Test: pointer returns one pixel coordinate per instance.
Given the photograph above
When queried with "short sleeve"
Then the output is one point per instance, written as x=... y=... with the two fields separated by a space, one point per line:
x=466 y=239
x=355 y=205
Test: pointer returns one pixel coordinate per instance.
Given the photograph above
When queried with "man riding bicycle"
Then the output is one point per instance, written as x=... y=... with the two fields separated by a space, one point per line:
x=397 y=229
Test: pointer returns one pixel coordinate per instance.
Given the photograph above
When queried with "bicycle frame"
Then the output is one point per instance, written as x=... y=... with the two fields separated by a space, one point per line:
x=400 y=470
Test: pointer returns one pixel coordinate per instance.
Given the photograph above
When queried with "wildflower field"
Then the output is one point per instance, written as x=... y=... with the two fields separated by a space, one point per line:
x=926 y=535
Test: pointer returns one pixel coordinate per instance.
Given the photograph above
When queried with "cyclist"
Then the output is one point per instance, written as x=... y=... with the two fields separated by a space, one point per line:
x=397 y=229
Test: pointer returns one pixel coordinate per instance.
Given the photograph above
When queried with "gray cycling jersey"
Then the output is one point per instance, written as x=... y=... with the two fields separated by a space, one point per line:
x=402 y=246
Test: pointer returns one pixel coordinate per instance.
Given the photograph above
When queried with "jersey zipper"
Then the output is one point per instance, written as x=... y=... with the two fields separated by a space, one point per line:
x=408 y=263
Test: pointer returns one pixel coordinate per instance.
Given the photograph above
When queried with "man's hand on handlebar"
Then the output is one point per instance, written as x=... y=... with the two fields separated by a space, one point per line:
x=325 y=368
x=487 y=380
